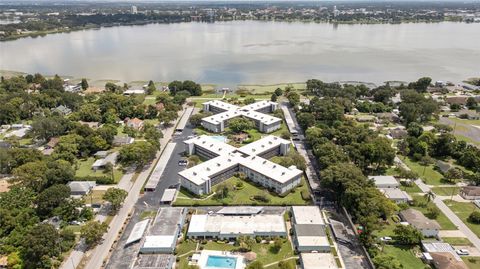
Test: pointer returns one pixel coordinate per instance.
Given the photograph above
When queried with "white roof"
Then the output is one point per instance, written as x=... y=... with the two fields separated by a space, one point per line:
x=395 y=193
x=159 y=241
x=222 y=105
x=262 y=145
x=384 y=180
x=307 y=215
x=248 y=111
x=228 y=225
x=259 y=105
x=313 y=241
x=318 y=261
x=168 y=195
x=203 y=171
x=211 y=144
x=137 y=231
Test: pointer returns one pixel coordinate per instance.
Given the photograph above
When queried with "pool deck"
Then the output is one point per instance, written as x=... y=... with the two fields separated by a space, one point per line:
x=203 y=257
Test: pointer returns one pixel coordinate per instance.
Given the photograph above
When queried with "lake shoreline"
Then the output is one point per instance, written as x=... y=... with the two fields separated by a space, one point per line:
x=99 y=27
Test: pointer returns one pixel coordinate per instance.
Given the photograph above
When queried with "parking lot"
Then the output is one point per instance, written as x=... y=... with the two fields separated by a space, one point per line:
x=150 y=201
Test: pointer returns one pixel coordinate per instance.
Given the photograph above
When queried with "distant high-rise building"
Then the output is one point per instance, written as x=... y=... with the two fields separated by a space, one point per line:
x=134 y=10
x=336 y=12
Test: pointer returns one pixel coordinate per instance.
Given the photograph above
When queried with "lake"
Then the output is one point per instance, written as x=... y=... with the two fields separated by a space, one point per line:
x=252 y=52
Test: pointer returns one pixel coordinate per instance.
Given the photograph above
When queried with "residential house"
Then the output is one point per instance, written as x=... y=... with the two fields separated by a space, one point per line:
x=63 y=110
x=428 y=227
x=396 y=195
x=80 y=188
x=101 y=163
x=91 y=124
x=101 y=154
x=470 y=192
x=398 y=133
x=446 y=260
x=442 y=255
x=122 y=140
x=135 y=123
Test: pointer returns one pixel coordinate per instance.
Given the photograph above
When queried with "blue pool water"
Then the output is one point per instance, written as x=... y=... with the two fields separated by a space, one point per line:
x=221 y=262
x=220 y=138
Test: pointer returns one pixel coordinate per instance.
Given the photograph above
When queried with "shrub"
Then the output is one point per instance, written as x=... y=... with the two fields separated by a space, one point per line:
x=432 y=212
x=474 y=217
x=305 y=195
x=103 y=180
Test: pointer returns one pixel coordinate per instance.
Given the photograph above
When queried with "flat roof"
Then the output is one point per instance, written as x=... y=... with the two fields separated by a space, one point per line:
x=168 y=195
x=137 y=232
x=202 y=172
x=160 y=167
x=184 y=119
x=259 y=105
x=309 y=230
x=313 y=241
x=221 y=104
x=167 y=221
x=157 y=261
x=395 y=193
x=211 y=144
x=240 y=210
x=318 y=261
x=159 y=241
x=383 y=180
x=307 y=215
x=262 y=145
x=248 y=111
x=228 y=225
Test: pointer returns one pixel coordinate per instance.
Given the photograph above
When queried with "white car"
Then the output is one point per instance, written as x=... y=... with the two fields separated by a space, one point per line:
x=386 y=238
x=462 y=252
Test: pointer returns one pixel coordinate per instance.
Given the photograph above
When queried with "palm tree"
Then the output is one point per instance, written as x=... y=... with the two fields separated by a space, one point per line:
x=429 y=196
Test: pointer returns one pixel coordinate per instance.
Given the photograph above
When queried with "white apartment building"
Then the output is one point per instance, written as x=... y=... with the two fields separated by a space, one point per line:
x=225 y=160
x=256 y=112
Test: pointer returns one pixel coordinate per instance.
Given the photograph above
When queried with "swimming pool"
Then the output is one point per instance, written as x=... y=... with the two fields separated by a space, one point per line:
x=221 y=262
x=220 y=138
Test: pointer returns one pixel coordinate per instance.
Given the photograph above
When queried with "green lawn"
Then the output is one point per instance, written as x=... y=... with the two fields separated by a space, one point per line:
x=463 y=210
x=406 y=256
x=472 y=262
x=85 y=169
x=411 y=189
x=262 y=89
x=148 y=214
x=95 y=197
x=446 y=191
x=243 y=196
x=457 y=241
x=466 y=139
x=428 y=174
x=444 y=222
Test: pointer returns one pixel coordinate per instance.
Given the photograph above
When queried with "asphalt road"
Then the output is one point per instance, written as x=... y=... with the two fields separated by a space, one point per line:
x=123 y=257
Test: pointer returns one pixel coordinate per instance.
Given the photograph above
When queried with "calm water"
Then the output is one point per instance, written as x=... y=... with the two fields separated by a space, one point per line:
x=228 y=53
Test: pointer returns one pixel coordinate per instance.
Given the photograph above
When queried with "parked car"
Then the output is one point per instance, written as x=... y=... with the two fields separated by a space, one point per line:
x=462 y=252
x=183 y=162
x=386 y=239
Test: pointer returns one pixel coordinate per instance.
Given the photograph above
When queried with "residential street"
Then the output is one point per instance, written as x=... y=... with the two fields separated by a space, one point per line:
x=451 y=216
x=445 y=209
